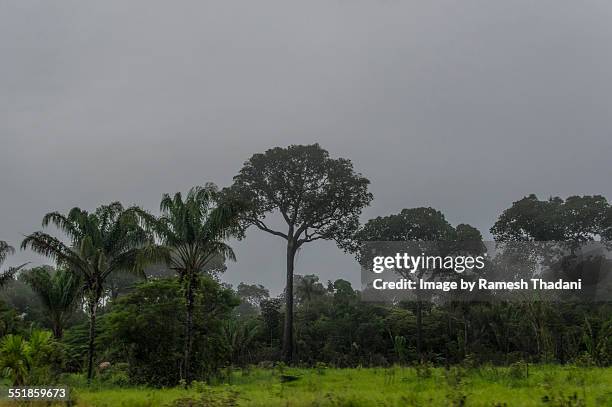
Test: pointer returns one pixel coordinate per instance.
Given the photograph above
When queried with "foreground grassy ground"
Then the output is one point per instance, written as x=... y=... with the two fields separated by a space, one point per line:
x=485 y=386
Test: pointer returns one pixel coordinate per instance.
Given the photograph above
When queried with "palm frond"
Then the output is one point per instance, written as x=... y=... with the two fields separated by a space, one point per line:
x=224 y=220
x=135 y=260
x=5 y=250
x=52 y=247
x=8 y=275
x=58 y=290
x=64 y=223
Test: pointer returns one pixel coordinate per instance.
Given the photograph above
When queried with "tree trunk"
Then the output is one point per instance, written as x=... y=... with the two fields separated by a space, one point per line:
x=57 y=326
x=419 y=328
x=58 y=331
x=419 y=319
x=288 y=331
x=465 y=333
x=93 y=309
x=188 y=331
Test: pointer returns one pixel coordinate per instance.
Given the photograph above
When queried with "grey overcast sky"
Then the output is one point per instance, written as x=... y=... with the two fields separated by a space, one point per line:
x=465 y=106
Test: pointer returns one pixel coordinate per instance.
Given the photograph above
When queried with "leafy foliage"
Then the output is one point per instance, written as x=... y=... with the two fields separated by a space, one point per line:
x=576 y=219
x=251 y=297
x=28 y=362
x=317 y=196
x=145 y=328
x=59 y=291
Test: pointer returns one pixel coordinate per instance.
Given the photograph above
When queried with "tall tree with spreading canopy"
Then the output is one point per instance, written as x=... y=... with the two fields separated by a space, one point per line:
x=193 y=231
x=554 y=228
x=101 y=242
x=317 y=196
x=420 y=225
x=559 y=224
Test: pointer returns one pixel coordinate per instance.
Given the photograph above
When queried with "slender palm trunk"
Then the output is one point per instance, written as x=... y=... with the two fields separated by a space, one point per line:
x=288 y=331
x=93 y=309
x=465 y=332
x=188 y=330
x=57 y=326
x=58 y=331
x=419 y=327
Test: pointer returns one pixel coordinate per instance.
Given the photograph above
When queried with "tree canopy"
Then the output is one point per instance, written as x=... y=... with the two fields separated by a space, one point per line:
x=577 y=218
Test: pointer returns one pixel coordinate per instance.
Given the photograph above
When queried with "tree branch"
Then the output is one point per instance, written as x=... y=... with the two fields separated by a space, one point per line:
x=265 y=228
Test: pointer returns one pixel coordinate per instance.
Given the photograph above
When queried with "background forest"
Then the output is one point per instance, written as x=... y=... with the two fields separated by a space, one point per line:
x=134 y=298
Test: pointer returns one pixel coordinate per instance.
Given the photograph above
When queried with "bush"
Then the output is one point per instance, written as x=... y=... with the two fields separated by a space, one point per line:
x=518 y=370
x=146 y=329
x=36 y=360
x=116 y=375
x=424 y=370
x=584 y=360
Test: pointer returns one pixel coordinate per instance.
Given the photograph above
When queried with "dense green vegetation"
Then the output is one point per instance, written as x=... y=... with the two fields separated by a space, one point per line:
x=135 y=303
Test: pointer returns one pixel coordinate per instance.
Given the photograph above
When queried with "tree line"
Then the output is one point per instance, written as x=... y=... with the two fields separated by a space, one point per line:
x=141 y=291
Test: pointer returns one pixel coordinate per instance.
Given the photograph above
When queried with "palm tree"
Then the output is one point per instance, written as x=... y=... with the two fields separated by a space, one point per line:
x=7 y=275
x=238 y=337
x=59 y=292
x=107 y=240
x=193 y=231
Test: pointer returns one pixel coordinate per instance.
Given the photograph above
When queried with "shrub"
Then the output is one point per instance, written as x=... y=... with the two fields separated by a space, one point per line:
x=146 y=329
x=518 y=370
x=584 y=360
x=116 y=375
x=36 y=360
x=424 y=370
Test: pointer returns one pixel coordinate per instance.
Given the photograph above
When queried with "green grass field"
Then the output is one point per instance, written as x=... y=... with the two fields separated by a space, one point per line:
x=520 y=385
